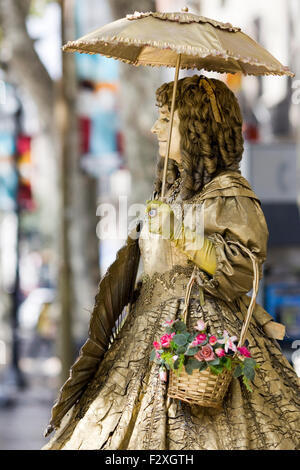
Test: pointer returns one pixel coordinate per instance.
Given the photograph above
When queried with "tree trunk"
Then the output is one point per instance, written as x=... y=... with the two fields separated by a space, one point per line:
x=80 y=271
x=26 y=65
x=74 y=220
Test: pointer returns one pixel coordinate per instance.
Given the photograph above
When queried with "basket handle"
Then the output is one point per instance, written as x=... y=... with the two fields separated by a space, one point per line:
x=255 y=286
x=253 y=298
x=188 y=293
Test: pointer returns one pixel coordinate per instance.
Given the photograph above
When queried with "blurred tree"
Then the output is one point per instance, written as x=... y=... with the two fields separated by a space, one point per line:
x=138 y=112
x=75 y=194
x=23 y=59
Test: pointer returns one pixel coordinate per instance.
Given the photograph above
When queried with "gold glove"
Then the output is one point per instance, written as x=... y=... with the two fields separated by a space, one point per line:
x=200 y=250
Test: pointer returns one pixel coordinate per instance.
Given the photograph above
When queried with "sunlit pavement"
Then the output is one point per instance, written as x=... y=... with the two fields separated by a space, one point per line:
x=22 y=424
x=24 y=418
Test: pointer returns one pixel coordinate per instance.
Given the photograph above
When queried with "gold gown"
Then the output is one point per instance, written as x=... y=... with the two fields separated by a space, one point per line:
x=125 y=406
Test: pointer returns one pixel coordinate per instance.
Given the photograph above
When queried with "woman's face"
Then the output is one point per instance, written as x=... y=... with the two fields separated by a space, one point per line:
x=161 y=128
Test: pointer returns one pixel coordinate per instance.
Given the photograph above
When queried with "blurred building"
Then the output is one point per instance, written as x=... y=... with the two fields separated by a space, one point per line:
x=271 y=163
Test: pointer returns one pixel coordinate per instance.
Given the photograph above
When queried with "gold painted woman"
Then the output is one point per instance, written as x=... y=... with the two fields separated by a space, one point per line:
x=115 y=398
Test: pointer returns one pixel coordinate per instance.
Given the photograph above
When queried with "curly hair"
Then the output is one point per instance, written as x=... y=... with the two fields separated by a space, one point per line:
x=207 y=147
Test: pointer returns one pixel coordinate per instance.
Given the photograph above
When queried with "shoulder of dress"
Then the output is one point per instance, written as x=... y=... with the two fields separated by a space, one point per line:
x=226 y=184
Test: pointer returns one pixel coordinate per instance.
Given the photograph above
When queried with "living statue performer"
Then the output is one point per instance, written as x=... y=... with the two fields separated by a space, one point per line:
x=114 y=397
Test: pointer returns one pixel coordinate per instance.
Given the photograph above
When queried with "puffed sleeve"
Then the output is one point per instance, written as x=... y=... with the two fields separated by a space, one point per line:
x=234 y=218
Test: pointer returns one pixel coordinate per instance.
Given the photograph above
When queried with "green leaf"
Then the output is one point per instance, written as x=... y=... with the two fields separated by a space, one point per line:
x=192 y=364
x=249 y=373
x=215 y=362
x=238 y=371
x=189 y=369
x=181 y=362
x=180 y=349
x=227 y=363
x=191 y=351
x=180 y=339
x=177 y=363
x=152 y=355
x=167 y=356
x=216 y=369
x=203 y=365
x=189 y=338
x=179 y=327
x=249 y=362
x=246 y=383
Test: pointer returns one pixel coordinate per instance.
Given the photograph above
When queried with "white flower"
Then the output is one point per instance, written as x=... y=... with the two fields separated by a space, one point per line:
x=200 y=325
x=228 y=341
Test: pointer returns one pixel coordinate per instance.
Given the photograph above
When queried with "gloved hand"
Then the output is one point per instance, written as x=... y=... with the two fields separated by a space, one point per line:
x=200 y=250
x=160 y=219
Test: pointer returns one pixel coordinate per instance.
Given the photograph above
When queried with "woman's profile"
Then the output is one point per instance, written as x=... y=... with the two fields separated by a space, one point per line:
x=114 y=398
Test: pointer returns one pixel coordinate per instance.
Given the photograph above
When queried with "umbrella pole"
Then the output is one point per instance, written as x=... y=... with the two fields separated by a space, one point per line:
x=170 y=126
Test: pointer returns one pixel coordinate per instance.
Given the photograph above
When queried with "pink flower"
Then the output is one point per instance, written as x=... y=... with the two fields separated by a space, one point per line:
x=163 y=374
x=166 y=340
x=244 y=351
x=168 y=322
x=156 y=345
x=200 y=325
x=199 y=339
x=157 y=355
x=213 y=340
x=220 y=352
x=205 y=354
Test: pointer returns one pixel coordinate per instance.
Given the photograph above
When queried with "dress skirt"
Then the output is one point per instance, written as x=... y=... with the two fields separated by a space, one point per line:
x=126 y=406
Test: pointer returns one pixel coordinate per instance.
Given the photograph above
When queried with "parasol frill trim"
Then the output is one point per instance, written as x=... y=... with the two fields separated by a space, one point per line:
x=78 y=46
x=183 y=18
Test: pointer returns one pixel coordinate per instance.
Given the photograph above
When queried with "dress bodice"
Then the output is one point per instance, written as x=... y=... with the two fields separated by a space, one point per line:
x=159 y=255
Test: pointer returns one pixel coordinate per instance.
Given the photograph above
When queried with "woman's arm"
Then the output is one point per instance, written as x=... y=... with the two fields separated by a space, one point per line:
x=234 y=218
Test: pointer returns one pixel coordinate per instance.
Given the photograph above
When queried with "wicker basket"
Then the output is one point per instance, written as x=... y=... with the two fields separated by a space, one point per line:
x=205 y=388
x=201 y=388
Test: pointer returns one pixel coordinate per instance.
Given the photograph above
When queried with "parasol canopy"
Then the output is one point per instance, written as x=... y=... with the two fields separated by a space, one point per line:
x=182 y=40
x=156 y=39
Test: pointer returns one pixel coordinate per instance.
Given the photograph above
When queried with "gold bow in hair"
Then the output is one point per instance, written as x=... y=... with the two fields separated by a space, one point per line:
x=209 y=88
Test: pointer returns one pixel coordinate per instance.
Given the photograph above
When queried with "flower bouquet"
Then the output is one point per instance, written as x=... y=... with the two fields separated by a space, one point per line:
x=178 y=349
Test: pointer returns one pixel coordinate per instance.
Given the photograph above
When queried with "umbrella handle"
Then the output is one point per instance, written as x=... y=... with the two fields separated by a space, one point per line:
x=170 y=126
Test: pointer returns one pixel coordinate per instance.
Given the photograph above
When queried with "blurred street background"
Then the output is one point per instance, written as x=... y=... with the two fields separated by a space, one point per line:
x=74 y=133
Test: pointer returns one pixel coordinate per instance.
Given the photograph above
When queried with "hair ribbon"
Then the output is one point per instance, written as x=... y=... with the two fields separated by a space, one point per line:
x=209 y=88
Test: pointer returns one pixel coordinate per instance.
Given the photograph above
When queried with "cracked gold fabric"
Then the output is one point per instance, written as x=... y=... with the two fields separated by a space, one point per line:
x=125 y=406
